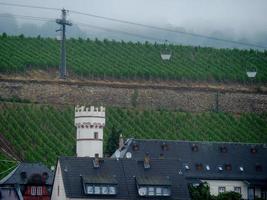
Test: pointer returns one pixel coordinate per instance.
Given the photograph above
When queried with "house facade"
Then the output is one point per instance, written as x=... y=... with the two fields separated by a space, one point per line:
x=28 y=181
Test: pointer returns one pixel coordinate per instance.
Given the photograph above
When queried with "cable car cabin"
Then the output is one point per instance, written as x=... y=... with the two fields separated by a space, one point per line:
x=166 y=54
x=252 y=73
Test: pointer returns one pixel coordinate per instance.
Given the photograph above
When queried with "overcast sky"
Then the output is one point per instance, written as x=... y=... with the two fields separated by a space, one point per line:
x=238 y=18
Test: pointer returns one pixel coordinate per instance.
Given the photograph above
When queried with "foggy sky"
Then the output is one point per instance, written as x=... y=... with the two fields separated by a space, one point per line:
x=237 y=18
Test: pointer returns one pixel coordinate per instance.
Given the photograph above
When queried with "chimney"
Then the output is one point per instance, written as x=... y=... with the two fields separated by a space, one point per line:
x=96 y=161
x=121 y=142
x=147 y=161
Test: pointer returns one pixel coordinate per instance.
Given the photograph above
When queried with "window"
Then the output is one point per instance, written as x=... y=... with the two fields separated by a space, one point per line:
x=100 y=189
x=97 y=190
x=237 y=189
x=154 y=191
x=151 y=191
x=112 y=190
x=199 y=167
x=228 y=167
x=241 y=168
x=33 y=190
x=186 y=166
x=164 y=146
x=253 y=150
x=223 y=149
x=39 y=191
x=221 y=189
x=90 y=190
x=104 y=190
x=258 y=168
x=135 y=147
x=194 y=148
x=142 y=191
x=96 y=135
x=207 y=167
x=220 y=168
x=166 y=192
x=158 y=191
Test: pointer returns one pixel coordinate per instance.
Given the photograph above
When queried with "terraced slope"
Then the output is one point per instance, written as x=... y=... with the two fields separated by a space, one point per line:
x=44 y=132
x=120 y=60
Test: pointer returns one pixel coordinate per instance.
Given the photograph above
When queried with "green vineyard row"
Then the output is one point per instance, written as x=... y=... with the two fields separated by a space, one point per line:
x=43 y=132
x=121 y=60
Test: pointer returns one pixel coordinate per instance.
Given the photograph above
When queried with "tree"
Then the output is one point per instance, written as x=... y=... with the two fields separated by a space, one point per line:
x=200 y=192
x=229 y=196
x=113 y=141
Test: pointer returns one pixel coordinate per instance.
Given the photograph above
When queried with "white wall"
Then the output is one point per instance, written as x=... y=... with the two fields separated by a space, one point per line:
x=229 y=186
x=58 y=184
x=89 y=120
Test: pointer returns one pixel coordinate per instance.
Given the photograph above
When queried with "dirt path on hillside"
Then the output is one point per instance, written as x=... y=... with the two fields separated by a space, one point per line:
x=40 y=76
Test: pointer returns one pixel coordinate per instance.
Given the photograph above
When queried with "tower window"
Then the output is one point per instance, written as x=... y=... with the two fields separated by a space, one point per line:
x=95 y=135
x=221 y=189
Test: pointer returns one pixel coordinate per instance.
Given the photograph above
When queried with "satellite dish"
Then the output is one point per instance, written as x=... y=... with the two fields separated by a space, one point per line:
x=117 y=155
x=128 y=155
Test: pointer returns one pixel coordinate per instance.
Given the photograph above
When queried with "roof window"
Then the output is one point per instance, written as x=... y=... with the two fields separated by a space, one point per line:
x=258 y=167
x=164 y=146
x=228 y=167
x=223 y=149
x=199 y=167
x=135 y=147
x=220 y=168
x=241 y=168
x=186 y=166
x=207 y=167
x=194 y=148
x=253 y=150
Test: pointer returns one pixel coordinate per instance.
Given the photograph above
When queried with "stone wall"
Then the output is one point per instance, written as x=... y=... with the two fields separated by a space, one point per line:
x=179 y=99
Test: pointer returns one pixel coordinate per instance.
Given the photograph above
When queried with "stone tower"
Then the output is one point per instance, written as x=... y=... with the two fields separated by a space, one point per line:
x=89 y=122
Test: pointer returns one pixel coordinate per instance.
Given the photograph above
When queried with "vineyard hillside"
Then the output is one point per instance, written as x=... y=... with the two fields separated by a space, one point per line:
x=41 y=132
x=121 y=60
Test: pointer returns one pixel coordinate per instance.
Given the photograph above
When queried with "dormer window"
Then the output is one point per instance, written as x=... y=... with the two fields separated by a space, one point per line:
x=223 y=149
x=100 y=185
x=194 y=148
x=153 y=186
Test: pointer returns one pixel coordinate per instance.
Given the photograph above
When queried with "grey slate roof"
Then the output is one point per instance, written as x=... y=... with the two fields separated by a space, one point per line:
x=30 y=169
x=206 y=153
x=126 y=172
x=167 y=166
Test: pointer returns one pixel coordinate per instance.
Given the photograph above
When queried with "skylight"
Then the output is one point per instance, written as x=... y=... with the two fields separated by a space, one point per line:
x=207 y=167
x=220 y=168
x=186 y=166
x=241 y=168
